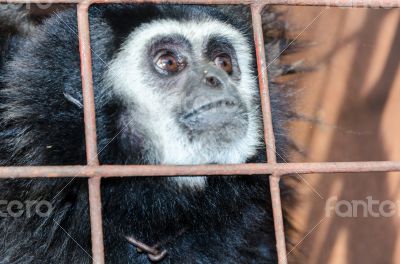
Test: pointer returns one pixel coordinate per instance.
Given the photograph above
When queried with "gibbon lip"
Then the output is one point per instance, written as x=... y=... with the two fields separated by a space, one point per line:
x=224 y=103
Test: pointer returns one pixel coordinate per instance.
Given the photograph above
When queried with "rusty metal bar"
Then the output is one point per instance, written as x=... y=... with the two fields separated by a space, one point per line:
x=96 y=222
x=278 y=219
x=333 y=3
x=116 y=171
x=269 y=135
x=263 y=82
x=87 y=85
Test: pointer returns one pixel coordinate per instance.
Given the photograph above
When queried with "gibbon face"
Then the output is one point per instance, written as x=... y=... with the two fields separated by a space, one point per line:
x=190 y=89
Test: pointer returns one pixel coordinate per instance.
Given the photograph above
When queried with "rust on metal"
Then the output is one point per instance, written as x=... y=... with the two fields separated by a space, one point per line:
x=96 y=222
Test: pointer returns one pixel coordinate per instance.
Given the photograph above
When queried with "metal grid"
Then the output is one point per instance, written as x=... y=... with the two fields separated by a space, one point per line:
x=94 y=171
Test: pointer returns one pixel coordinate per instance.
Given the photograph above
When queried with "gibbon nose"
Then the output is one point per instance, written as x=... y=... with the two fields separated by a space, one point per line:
x=214 y=77
x=213 y=81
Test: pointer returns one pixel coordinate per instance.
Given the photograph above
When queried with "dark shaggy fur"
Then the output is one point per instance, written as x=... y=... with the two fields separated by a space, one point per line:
x=229 y=222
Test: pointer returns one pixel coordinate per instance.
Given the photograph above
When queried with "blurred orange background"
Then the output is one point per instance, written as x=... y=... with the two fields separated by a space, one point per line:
x=352 y=104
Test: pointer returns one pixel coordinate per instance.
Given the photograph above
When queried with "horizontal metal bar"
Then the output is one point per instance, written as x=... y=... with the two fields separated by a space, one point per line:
x=107 y=171
x=337 y=3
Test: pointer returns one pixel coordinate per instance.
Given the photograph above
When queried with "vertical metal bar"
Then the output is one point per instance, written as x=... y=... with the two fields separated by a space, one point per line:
x=269 y=131
x=278 y=218
x=263 y=82
x=96 y=221
x=87 y=85
x=90 y=133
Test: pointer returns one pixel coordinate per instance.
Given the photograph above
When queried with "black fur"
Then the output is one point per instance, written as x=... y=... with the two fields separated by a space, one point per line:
x=229 y=222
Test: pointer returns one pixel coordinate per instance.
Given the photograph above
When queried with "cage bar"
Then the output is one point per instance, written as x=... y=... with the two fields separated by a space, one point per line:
x=278 y=218
x=118 y=171
x=94 y=185
x=269 y=135
x=263 y=82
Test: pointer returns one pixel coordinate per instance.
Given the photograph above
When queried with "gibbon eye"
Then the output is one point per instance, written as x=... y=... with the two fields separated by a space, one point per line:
x=224 y=62
x=169 y=63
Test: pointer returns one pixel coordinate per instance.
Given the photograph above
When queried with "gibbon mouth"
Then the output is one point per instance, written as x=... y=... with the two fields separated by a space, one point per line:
x=228 y=104
x=212 y=115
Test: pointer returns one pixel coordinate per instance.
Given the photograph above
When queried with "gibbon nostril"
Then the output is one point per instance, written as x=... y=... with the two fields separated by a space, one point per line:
x=213 y=81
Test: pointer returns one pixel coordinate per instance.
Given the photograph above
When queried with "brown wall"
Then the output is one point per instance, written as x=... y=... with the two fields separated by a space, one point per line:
x=354 y=99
